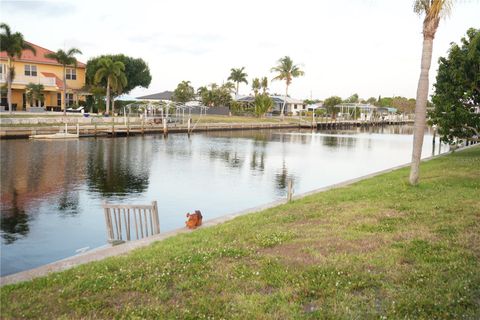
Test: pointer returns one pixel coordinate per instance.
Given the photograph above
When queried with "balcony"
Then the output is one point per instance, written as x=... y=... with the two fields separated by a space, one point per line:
x=24 y=80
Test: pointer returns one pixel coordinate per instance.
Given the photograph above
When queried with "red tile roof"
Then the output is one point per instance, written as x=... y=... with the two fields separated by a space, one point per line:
x=39 y=57
x=58 y=82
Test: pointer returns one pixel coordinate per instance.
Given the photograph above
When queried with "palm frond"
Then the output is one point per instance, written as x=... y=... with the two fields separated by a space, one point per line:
x=73 y=51
x=51 y=56
x=6 y=27
x=28 y=46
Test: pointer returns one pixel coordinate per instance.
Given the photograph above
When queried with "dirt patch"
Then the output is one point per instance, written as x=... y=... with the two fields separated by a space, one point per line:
x=310 y=307
x=392 y=213
x=313 y=252
x=131 y=298
x=471 y=241
x=417 y=233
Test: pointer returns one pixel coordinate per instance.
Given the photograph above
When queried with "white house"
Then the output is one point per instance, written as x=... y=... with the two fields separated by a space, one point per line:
x=292 y=106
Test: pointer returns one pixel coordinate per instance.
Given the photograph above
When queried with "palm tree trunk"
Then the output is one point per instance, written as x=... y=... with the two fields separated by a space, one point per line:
x=64 y=103
x=236 y=92
x=421 y=110
x=9 y=85
x=284 y=102
x=107 y=111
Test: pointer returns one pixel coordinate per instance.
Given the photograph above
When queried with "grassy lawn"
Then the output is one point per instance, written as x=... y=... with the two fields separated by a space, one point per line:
x=213 y=119
x=240 y=119
x=376 y=249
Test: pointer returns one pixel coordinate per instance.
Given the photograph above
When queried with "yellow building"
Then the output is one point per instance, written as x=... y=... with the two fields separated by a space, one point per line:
x=36 y=68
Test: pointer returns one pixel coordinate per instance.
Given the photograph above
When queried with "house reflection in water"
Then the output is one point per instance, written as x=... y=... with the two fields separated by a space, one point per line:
x=33 y=171
x=52 y=174
x=13 y=222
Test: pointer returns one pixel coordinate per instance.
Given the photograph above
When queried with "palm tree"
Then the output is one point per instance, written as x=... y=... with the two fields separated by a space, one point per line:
x=237 y=76
x=433 y=10
x=256 y=86
x=184 y=92
x=65 y=59
x=229 y=86
x=286 y=70
x=113 y=72
x=13 y=44
x=264 y=84
x=35 y=93
x=116 y=92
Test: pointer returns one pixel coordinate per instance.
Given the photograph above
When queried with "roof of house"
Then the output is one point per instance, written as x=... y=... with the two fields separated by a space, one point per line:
x=58 y=82
x=316 y=106
x=39 y=56
x=388 y=109
x=165 y=95
x=276 y=99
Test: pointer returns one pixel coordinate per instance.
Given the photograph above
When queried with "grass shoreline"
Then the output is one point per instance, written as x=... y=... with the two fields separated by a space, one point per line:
x=376 y=248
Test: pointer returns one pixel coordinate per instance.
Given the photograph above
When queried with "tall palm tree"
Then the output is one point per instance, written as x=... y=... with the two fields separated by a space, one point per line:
x=35 y=93
x=433 y=10
x=286 y=70
x=256 y=86
x=13 y=44
x=114 y=73
x=65 y=59
x=264 y=84
x=117 y=91
x=184 y=92
x=237 y=76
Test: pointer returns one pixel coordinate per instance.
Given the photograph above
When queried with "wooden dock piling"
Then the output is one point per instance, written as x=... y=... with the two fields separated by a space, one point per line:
x=289 y=190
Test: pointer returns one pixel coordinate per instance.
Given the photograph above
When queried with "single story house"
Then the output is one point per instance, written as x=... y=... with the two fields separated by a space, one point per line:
x=161 y=96
x=292 y=106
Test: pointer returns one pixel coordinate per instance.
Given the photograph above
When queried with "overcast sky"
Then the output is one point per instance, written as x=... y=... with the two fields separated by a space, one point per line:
x=369 y=47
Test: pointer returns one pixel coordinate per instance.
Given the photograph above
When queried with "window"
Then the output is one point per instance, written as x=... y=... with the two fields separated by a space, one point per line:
x=294 y=106
x=2 y=71
x=69 y=101
x=71 y=74
x=3 y=96
x=30 y=70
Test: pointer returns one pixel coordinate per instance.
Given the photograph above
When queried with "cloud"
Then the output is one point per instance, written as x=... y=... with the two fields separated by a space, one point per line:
x=38 y=8
x=179 y=43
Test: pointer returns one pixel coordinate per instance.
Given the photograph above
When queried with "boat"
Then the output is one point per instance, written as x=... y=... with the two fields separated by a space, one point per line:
x=58 y=135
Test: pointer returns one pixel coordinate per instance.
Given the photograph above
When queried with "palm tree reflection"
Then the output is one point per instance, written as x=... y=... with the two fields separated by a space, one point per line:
x=14 y=222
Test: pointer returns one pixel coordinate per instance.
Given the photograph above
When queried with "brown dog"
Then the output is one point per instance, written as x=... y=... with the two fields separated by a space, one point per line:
x=194 y=219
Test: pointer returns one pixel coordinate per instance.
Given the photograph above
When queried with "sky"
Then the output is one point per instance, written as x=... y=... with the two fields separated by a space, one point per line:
x=369 y=47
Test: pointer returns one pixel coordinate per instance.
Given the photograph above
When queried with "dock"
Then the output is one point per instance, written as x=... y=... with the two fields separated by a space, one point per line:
x=112 y=130
x=348 y=124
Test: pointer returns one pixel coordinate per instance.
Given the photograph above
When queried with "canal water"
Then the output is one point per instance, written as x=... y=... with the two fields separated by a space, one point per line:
x=52 y=191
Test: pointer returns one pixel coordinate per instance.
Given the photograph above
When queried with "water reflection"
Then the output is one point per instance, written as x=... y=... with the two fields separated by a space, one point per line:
x=282 y=177
x=14 y=222
x=258 y=161
x=229 y=157
x=36 y=170
x=116 y=167
x=336 y=141
x=68 y=203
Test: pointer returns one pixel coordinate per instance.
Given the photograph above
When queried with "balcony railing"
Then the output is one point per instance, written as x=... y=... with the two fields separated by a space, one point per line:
x=46 y=81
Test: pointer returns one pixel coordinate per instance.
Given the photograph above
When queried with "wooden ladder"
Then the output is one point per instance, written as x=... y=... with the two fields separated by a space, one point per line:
x=139 y=219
